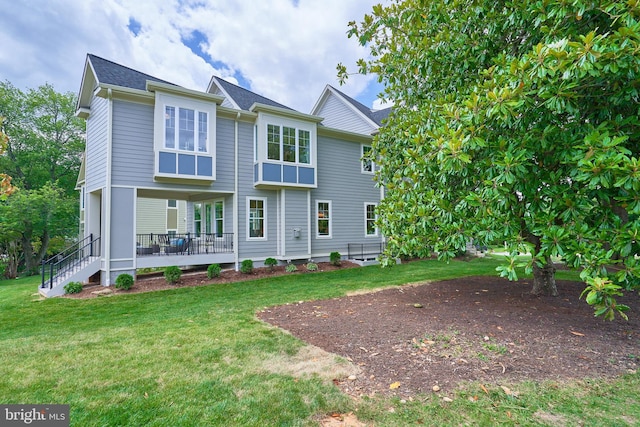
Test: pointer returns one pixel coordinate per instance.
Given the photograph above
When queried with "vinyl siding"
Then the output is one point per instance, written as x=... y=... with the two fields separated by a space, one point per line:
x=133 y=154
x=253 y=249
x=338 y=115
x=96 y=148
x=295 y=208
x=341 y=182
x=151 y=216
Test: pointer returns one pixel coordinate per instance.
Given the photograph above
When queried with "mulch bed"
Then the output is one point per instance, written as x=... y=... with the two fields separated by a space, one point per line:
x=432 y=337
x=156 y=282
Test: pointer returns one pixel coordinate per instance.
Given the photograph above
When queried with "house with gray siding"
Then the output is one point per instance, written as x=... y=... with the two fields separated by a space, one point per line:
x=174 y=176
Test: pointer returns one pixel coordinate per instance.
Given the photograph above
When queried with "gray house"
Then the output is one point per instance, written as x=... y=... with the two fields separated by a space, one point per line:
x=258 y=179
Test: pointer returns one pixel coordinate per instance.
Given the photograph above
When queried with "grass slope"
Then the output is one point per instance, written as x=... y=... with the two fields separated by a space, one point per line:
x=196 y=356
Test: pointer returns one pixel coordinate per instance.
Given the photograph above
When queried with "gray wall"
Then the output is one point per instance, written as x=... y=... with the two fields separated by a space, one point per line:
x=337 y=115
x=296 y=211
x=341 y=181
x=96 y=150
x=133 y=155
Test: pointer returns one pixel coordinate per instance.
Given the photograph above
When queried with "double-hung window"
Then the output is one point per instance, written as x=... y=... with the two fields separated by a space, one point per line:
x=367 y=165
x=370 y=219
x=186 y=129
x=256 y=218
x=323 y=219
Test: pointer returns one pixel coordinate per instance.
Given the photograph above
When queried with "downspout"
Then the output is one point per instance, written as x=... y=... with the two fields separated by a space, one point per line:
x=382 y=238
x=309 y=222
x=236 y=248
x=107 y=199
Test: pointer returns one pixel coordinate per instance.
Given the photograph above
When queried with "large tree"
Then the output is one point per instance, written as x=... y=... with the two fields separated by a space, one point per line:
x=42 y=155
x=515 y=122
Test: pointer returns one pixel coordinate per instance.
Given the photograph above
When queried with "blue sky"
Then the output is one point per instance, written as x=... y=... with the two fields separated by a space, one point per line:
x=286 y=50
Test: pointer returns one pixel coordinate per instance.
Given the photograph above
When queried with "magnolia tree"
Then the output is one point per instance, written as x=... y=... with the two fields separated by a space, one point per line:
x=513 y=122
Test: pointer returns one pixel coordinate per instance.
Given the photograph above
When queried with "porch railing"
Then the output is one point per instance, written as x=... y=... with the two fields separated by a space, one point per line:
x=152 y=244
x=73 y=258
x=365 y=251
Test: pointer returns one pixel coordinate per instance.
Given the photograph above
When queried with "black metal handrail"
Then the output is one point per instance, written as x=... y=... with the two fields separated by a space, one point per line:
x=76 y=255
x=183 y=244
x=363 y=251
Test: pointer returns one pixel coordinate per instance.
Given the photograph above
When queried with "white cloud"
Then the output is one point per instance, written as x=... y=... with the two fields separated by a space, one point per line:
x=285 y=50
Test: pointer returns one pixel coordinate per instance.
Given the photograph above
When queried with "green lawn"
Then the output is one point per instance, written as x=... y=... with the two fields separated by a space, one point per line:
x=198 y=356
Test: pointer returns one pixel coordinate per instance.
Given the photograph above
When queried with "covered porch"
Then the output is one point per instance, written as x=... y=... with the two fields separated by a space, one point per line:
x=165 y=249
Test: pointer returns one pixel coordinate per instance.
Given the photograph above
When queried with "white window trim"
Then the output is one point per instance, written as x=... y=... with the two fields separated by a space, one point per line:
x=164 y=99
x=296 y=134
x=373 y=164
x=214 y=219
x=175 y=230
x=377 y=233
x=330 y=235
x=265 y=120
x=248 y=210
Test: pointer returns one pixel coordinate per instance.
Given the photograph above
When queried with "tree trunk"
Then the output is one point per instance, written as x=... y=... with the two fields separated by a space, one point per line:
x=544 y=279
x=29 y=260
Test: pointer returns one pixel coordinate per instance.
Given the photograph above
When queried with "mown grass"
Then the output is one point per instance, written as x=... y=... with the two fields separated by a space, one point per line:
x=196 y=356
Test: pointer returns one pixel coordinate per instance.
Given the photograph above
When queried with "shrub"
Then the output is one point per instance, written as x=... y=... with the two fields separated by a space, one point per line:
x=312 y=266
x=247 y=266
x=335 y=258
x=72 y=288
x=290 y=268
x=270 y=262
x=172 y=274
x=124 y=281
x=213 y=270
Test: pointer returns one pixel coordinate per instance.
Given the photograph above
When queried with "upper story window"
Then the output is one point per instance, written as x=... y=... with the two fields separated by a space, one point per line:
x=288 y=144
x=367 y=165
x=180 y=125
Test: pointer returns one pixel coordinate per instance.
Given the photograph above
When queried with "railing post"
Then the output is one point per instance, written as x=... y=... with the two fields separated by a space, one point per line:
x=42 y=267
x=91 y=244
x=50 y=275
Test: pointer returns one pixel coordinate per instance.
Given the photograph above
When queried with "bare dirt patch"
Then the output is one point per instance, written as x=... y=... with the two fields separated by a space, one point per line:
x=432 y=337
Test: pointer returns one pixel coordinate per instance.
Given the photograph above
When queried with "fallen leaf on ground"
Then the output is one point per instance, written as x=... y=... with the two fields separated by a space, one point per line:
x=577 y=333
x=508 y=391
x=394 y=385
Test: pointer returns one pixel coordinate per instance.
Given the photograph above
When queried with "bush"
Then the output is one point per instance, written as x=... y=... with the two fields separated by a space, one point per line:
x=72 y=288
x=335 y=258
x=124 y=281
x=247 y=266
x=270 y=262
x=291 y=268
x=312 y=266
x=213 y=270
x=172 y=274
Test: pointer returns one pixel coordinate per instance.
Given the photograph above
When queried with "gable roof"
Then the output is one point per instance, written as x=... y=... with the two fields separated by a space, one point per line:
x=376 y=116
x=118 y=75
x=240 y=97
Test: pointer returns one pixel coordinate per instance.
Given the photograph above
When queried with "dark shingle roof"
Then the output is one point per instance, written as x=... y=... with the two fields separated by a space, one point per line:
x=245 y=98
x=376 y=115
x=111 y=73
